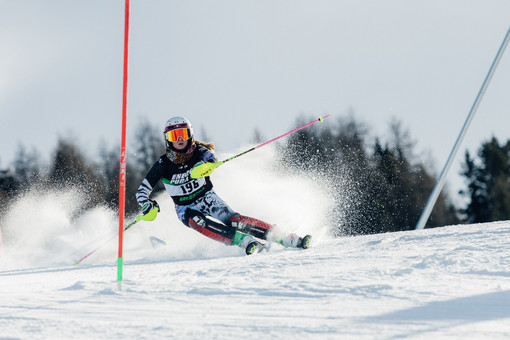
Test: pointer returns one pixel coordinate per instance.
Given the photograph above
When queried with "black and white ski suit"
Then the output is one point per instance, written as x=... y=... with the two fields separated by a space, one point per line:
x=195 y=200
x=186 y=192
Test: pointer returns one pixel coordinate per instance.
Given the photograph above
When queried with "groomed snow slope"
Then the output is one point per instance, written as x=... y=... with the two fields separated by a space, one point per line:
x=447 y=283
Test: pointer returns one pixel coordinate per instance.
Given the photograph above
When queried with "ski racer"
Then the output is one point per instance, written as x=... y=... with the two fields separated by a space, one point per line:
x=196 y=203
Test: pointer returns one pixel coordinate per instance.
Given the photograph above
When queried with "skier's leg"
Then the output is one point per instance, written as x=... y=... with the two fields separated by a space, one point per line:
x=219 y=231
x=266 y=231
x=212 y=205
x=206 y=226
x=205 y=216
x=251 y=226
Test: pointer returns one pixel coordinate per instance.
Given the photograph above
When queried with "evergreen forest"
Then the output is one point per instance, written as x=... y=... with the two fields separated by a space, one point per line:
x=379 y=184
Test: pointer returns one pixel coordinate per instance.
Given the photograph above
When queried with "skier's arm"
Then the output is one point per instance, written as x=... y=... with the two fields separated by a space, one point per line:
x=146 y=187
x=209 y=157
x=143 y=192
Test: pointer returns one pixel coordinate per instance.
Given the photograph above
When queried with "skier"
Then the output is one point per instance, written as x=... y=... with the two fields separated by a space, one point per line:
x=196 y=203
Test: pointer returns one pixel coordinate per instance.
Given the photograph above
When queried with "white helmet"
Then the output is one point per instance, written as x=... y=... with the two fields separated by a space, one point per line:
x=175 y=128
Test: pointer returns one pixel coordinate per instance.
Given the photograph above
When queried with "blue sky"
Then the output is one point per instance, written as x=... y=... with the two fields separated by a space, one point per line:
x=235 y=66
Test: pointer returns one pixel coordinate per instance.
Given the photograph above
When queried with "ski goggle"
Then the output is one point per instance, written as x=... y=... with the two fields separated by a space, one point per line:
x=173 y=135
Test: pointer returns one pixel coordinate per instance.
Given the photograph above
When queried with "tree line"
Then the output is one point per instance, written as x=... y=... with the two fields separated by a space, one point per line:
x=377 y=185
x=97 y=180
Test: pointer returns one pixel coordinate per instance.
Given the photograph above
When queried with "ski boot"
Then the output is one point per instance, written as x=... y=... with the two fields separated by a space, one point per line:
x=248 y=242
x=253 y=247
x=294 y=241
x=305 y=242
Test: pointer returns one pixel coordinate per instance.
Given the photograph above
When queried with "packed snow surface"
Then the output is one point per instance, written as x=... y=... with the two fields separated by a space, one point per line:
x=445 y=283
x=448 y=283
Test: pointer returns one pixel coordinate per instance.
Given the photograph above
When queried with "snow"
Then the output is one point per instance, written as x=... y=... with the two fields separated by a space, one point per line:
x=452 y=282
x=446 y=283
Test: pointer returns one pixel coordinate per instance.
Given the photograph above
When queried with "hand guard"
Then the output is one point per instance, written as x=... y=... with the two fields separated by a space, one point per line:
x=150 y=210
x=202 y=169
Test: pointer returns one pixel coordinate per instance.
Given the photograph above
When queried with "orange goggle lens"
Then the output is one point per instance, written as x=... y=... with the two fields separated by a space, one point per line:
x=174 y=135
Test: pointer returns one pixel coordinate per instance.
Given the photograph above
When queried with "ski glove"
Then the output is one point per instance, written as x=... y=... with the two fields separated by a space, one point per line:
x=150 y=210
x=202 y=169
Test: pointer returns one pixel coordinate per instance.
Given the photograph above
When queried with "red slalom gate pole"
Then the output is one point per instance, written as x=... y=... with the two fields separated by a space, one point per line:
x=122 y=173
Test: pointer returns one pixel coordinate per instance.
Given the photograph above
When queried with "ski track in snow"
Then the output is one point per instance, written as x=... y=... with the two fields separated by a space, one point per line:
x=444 y=283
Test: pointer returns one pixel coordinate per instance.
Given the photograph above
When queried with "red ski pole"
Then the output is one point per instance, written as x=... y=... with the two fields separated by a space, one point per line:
x=138 y=219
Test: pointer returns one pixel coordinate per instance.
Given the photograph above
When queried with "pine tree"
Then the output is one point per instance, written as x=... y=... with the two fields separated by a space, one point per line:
x=27 y=167
x=148 y=145
x=69 y=169
x=488 y=187
x=375 y=192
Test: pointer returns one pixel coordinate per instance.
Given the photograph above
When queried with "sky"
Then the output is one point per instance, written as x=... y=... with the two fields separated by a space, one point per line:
x=235 y=66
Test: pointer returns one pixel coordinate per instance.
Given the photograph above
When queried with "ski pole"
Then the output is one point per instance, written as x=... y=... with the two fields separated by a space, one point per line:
x=205 y=169
x=138 y=219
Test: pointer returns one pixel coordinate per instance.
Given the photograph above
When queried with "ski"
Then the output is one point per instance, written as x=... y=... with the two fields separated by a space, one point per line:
x=156 y=241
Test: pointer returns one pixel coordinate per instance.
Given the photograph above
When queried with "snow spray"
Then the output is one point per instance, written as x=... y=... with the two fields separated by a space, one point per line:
x=49 y=228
